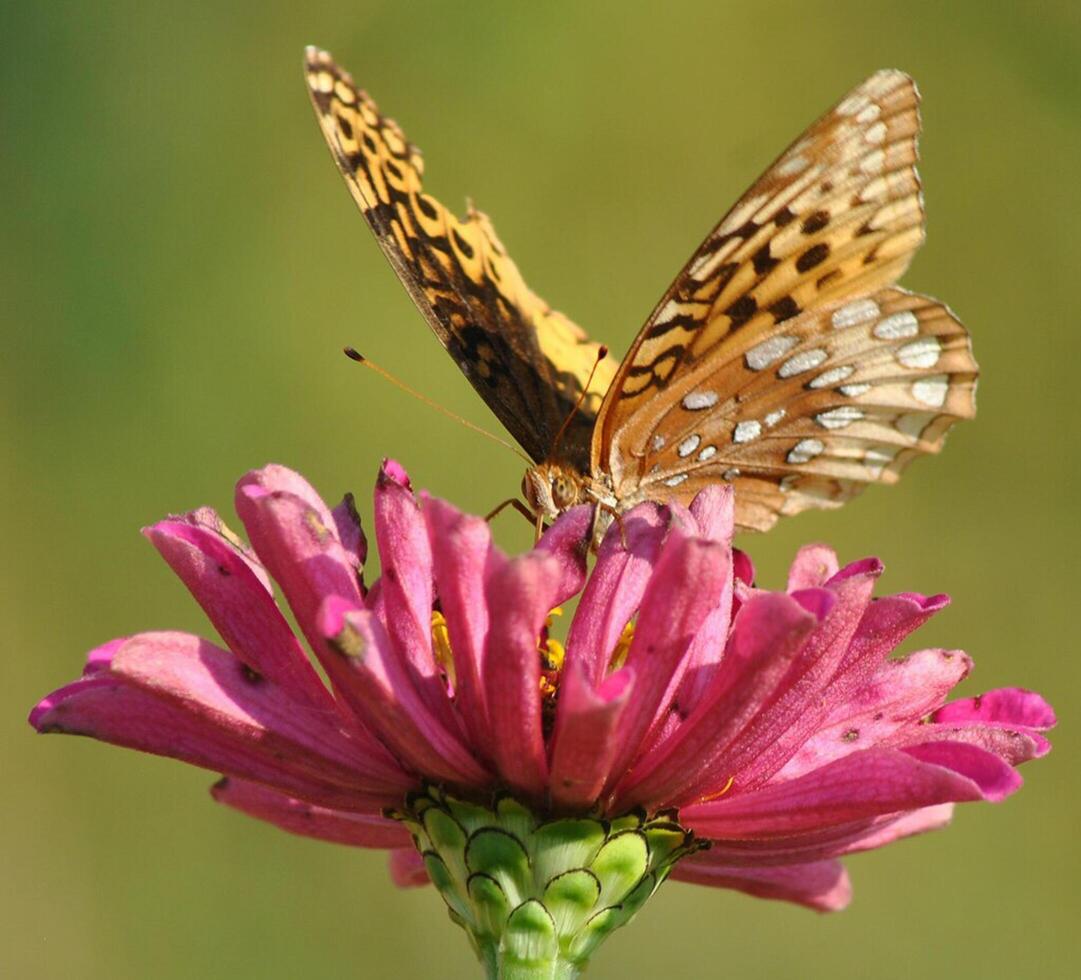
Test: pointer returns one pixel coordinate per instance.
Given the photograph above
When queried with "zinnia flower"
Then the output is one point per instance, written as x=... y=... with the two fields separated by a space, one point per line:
x=693 y=725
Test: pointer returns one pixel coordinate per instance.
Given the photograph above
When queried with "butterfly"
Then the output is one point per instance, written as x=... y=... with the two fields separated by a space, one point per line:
x=782 y=360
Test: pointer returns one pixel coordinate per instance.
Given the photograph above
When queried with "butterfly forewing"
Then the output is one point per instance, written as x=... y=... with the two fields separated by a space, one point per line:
x=526 y=360
x=837 y=215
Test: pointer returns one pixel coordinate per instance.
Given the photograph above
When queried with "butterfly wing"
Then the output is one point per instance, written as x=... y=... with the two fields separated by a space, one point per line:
x=771 y=303
x=527 y=361
x=845 y=395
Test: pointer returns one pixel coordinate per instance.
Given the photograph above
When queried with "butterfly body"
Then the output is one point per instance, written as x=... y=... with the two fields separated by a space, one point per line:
x=782 y=360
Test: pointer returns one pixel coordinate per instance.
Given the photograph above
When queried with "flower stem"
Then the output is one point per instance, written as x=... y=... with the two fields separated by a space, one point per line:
x=500 y=967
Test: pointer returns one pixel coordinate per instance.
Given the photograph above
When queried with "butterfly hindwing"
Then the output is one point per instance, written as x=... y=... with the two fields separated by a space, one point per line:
x=843 y=396
x=526 y=360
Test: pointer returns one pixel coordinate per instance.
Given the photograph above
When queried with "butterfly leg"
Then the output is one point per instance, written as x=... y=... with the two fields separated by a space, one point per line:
x=613 y=515
x=510 y=502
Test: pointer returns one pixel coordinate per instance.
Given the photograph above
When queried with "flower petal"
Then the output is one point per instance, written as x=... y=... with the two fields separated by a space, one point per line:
x=907 y=825
x=865 y=784
x=899 y=695
x=814 y=565
x=995 y=777
x=406 y=582
x=1011 y=706
x=568 y=541
x=519 y=595
x=821 y=885
x=771 y=739
x=407 y=868
x=238 y=605
x=685 y=587
x=584 y=742
x=350 y=533
x=828 y=842
x=111 y=710
x=463 y=556
x=768 y=633
x=295 y=535
x=380 y=684
x=615 y=589
x=308 y=820
x=714 y=510
x=211 y=684
x=885 y=624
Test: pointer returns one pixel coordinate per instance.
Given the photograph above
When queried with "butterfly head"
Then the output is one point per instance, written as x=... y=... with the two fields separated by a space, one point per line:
x=550 y=489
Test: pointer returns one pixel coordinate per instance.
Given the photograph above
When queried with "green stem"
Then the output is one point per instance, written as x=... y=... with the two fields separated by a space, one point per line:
x=499 y=964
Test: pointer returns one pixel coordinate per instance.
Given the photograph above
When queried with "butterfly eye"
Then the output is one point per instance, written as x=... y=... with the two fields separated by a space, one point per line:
x=564 y=492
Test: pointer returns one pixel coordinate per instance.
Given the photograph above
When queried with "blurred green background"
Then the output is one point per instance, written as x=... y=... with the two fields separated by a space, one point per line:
x=181 y=266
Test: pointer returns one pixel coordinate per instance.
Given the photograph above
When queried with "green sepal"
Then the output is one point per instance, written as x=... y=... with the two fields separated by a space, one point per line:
x=537 y=896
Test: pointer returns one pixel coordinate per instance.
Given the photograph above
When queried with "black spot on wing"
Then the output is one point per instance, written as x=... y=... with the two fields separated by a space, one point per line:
x=763 y=261
x=784 y=309
x=742 y=310
x=815 y=255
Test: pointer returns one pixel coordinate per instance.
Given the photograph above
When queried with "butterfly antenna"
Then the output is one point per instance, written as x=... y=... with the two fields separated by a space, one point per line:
x=602 y=353
x=384 y=373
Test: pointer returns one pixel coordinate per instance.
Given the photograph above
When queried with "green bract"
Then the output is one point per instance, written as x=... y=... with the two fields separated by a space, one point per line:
x=535 y=896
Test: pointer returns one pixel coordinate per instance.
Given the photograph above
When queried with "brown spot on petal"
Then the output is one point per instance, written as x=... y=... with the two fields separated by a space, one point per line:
x=250 y=674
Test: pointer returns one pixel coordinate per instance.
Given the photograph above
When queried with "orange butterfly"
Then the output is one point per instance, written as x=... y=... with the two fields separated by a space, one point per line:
x=782 y=359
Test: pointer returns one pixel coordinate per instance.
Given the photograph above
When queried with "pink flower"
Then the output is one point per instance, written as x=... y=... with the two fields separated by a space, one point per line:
x=773 y=725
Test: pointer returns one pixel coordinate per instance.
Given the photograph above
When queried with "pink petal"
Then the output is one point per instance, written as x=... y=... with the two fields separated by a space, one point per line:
x=686 y=585
x=211 y=684
x=406 y=594
x=822 y=885
x=714 y=510
x=773 y=737
x=209 y=520
x=350 y=533
x=296 y=537
x=615 y=589
x=865 y=784
x=995 y=778
x=865 y=567
x=901 y=693
x=743 y=567
x=520 y=596
x=907 y=825
x=568 y=541
x=814 y=565
x=885 y=624
x=308 y=820
x=830 y=842
x=100 y=658
x=584 y=741
x=239 y=606
x=463 y=557
x=1012 y=745
x=110 y=710
x=768 y=633
x=380 y=683
x=407 y=868
x=1011 y=706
